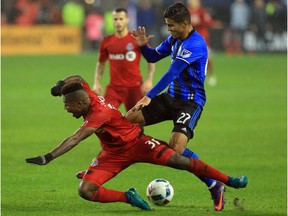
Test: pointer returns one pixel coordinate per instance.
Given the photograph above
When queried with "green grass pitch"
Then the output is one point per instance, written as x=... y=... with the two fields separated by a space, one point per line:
x=242 y=131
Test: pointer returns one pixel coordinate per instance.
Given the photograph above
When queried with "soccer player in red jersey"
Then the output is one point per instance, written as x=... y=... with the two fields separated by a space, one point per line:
x=126 y=84
x=202 y=21
x=123 y=144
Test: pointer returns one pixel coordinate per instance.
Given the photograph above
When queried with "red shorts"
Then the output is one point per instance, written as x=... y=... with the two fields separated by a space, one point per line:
x=108 y=164
x=127 y=95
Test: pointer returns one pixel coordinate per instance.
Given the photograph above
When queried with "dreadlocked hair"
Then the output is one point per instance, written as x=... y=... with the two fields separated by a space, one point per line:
x=71 y=87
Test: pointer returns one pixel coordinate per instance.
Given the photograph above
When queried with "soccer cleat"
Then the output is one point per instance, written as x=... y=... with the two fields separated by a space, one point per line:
x=80 y=174
x=135 y=200
x=217 y=193
x=239 y=182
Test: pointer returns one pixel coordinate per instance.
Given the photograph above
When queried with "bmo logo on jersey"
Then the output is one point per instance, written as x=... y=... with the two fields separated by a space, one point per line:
x=130 y=56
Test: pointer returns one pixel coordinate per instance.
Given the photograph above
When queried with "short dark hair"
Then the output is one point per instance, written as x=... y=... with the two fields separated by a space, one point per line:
x=71 y=87
x=120 y=9
x=178 y=12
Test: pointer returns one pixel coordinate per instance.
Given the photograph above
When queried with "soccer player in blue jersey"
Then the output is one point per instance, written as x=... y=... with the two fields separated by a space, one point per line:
x=185 y=98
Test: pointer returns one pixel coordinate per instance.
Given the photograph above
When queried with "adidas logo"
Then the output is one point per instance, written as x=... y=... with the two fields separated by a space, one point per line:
x=184 y=129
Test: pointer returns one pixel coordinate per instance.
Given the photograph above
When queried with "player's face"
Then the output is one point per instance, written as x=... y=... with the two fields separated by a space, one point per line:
x=73 y=107
x=177 y=30
x=120 y=21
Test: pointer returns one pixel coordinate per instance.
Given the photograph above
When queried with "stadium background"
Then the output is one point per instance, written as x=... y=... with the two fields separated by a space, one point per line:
x=243 y=129
x=74 y=14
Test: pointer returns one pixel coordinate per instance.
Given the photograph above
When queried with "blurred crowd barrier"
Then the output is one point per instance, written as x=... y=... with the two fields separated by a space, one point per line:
x=74 y=26
x=41 y=40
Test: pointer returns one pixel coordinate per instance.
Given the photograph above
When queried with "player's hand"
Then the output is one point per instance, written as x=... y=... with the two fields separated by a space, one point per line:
x=40 y=160
x=97 y=88
x=140 y=36
x=142 y=103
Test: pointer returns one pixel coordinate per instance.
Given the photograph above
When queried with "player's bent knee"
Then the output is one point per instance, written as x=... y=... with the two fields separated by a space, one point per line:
x=87 y=189
x=178 y=142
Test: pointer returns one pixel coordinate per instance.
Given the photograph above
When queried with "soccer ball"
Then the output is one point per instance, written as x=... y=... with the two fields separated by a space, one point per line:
x=160 y=192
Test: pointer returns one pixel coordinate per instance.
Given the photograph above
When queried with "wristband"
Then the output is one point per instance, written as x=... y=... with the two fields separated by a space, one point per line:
x=48 y=157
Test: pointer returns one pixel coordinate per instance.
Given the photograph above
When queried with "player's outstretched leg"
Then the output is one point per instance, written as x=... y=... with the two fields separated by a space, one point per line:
x=135 y=200
x=216 y=188
x=200 y=168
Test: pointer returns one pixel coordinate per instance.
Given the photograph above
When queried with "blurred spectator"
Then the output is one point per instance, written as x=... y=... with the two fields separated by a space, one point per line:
x=27 y=12
x=49 y=13
x=258 y=23
x=108 y=25
x=202 y=21
x=94 y=24
x=239 y=23
x=73 y=13
x=9 y=12
x=277 y=15
x=146 y=17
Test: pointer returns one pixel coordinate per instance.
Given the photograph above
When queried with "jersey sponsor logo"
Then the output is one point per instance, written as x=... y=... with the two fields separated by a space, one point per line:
x=117 y=56
x=129 y=56
x=186 y=53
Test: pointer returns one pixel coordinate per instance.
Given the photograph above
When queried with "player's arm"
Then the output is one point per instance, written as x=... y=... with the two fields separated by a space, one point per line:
x=147 y=85
x=150 y=54
x=175 y=69
x=142 y=41
x=65 y=146
x=99 y=71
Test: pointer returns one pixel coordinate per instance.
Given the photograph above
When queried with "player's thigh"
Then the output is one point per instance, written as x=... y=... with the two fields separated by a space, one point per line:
x=106 y=166
x=185 y=117
x=151 y=150
x=157 y=111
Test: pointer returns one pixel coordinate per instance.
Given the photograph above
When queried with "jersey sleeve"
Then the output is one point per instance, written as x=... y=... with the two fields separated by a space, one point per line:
x=165 y=47
x=96 y=120
x=103 y=53
x=175 y=69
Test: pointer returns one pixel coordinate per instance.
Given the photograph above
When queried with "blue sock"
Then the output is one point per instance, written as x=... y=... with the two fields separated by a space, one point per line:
x=188 y=153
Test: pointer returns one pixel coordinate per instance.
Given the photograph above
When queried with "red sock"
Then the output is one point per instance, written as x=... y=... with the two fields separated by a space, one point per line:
x=201 y=169
x=105 y=195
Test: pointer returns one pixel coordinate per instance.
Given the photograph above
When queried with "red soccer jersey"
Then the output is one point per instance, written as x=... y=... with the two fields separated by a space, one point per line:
x=113 y=129
x=124 y=58
x=201 y=20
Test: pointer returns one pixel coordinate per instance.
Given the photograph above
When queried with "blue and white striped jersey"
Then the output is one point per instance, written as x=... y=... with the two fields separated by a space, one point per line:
x=187 y=72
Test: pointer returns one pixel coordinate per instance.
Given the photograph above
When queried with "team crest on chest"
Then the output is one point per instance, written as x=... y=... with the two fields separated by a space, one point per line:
x=129 y=46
